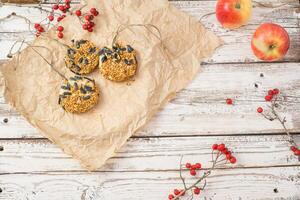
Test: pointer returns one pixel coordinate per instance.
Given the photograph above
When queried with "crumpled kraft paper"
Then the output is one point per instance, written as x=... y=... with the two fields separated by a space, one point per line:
x=93 y=137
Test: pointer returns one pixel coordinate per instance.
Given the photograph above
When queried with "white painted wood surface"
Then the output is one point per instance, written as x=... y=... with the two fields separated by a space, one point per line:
x=32 y=168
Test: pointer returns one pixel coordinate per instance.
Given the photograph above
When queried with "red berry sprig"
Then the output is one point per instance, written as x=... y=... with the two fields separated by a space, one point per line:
x=220 y=155
x=272 y=98
x=88 y=18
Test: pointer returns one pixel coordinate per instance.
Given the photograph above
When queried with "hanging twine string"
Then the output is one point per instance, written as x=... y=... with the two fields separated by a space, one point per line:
x=10 y=55
x=149 y=27
x=49 y=63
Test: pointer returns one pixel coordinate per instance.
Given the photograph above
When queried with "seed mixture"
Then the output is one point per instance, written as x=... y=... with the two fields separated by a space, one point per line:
x=119 y=63
x=78 y=94
x=82 y=58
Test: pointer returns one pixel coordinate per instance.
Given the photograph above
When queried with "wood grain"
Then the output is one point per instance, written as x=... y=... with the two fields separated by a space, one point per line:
x=149 y=154
x=200 y=109
x=20 y=1
x=225 y=184
x=237 y=42
x=31 y=168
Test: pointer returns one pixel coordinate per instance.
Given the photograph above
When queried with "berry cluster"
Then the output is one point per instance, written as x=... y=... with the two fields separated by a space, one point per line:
x=39 y=29
x=60 y=30
x=269 y=97
x=88 y=18
x=193 y=168
x=272 y=97
x=223 y=150
x=220 y=155
x=176 y=192
x=63 y=7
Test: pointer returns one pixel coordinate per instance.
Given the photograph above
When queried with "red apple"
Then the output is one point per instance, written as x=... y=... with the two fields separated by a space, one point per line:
x=270 y=42
x=233 y=13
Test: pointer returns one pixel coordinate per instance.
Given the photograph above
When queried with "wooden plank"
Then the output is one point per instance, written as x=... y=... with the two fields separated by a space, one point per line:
x=237 y=42
x=200 y=109
x=226 y=184
x=154 y=154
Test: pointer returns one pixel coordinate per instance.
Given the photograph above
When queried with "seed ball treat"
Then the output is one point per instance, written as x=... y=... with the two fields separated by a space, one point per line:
x=82 y=58
x=78 y=94
x=119 y=63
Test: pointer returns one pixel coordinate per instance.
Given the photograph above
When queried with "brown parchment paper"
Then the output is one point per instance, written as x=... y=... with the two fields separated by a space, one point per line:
x=93 y=137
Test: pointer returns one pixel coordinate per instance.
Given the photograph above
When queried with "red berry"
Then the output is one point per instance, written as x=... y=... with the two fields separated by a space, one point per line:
x=198 y=166
x=67 y=1
x=176 y=192
x=61 y=8
x=214 y=147
x=67 y=6
x=37 y=34
x=59 y=19
x=193 y=172
x=63 y=16
x=93 y=10
x=297 y=152
x=90 y=30
x=60 y=35
x=55 y=7
x=232 y=160
x=197 y=190
x=268 y=97
x=221 y=147
x=225 y=151
x=85 y=27
x=92 y=24
x=171 y=196
x=188 y=165
x=78 y=13
x=293 y=148
x=228 y=156
x=276 y=91
x=36 y=26
x=60 y=28
x=260 y=109
x=182 y=192
x=89 y=17
x=270 y=92
x=41 y=29
x=96 y=13
x=229 y=101
x=51 y=18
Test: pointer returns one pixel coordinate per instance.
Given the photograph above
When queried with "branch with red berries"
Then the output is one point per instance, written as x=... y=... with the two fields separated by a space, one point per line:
x=272 y=113
x=220 y=156
x=59 y=11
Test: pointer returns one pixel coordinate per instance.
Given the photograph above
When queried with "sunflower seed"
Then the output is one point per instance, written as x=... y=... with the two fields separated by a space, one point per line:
x=77 y=67
x=86 y=97
x=71 y=51
x=92 y=50
x=78 y=77
x=65 y=87
x=127 y=62
x=101 y=52
x=103 y=59
x=82 y=91
x=75 y=86
x=86 y=61
x=129 y=49
x=88 y=88
x=80 y=60
x=67 y=93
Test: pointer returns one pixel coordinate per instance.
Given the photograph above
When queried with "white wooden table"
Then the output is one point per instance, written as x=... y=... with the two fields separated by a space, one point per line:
x=32 y=168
